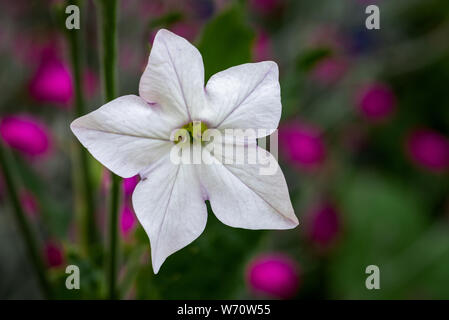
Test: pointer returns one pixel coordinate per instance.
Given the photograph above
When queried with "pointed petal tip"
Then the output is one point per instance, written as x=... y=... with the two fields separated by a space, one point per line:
x=294 y=223
x=156 y=268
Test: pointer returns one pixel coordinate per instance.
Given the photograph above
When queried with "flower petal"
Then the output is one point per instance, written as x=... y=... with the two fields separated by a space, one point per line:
x=125 y=135
x=247 y=195
x=245 y=97
x=170 y=207
x=174 y=76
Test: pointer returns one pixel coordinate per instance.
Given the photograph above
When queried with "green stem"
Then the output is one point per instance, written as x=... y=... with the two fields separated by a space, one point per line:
x=29 y=237
x=89 y=227
x=108 y=13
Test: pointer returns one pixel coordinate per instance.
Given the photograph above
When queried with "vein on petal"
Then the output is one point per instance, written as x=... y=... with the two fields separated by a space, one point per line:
x=252 y=190
x=244 y=99
x=165 y=212
x=122 y=134
x=179 y=80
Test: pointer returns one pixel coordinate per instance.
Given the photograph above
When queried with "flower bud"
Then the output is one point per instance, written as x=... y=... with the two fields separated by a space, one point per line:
x=127 y=220
x=302 y=145
x=428 y=149
x=273 y=275
x=54 y=255
x=323 y=226
x=25 y=134
x=52 y=82
x=376 y=101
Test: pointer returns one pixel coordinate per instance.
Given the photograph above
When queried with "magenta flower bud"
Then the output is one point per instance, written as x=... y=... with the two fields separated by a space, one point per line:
x=302 y=145
x=429 y=149
x=323 y=226
x=262 y=48
x=329 y=70
x=25 y=134
x=128 y=185
x=52 y=82
x=54 y=255
x=376 y=101
x=273 y=275
x=127 y=220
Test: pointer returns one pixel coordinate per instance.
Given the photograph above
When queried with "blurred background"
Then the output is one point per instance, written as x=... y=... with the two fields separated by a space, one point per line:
x=363 y=145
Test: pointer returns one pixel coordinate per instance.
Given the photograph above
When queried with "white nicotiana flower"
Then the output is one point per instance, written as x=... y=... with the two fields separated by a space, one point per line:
x=131 y=135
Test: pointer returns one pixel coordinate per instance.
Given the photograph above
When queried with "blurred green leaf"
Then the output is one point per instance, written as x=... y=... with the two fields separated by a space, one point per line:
x=382 y=217
x=226 y=41
x=310 y=58
x=212 y=266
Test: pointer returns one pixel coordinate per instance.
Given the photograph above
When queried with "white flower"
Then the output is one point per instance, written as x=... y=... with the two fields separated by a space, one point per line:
x=131 y=135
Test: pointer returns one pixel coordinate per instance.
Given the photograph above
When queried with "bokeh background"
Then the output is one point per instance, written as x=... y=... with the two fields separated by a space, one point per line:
x=363 y=144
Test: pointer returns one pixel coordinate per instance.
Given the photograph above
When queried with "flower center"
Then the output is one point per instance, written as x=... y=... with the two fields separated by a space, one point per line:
x=192 y=131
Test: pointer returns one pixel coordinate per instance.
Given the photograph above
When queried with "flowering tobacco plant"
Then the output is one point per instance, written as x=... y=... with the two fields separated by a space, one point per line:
x=137 y=135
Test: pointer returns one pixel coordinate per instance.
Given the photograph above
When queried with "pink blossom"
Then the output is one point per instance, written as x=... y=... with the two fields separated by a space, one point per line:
x=302 y=144
x=25 y=134
x=376 y=101
x=52 y=81
x=429 y=149
x=323 y=226
x=273 y=275
x=128 y=185
x=54 y=254
x=127 y=220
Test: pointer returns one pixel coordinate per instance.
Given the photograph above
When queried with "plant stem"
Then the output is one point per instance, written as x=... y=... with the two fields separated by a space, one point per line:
x=91 y=238
x=108 y=13
x=25 y=228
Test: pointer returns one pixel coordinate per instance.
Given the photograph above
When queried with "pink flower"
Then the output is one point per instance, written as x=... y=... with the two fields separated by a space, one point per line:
x=25 y=134
x=127 y=220
x=52 y=82
x=54 y=255
x=429 y=149
x=302 y=144
x=376 y=101
x=128 y=185
x=274 y=275
x=262 y=48
x=323 y=226
x=329 y=70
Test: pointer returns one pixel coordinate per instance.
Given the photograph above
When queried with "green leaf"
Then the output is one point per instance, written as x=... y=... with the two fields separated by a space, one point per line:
x=310 y=58
x=226 y=41
x=212 y=267
x=382 y=217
